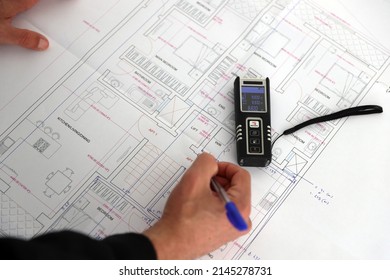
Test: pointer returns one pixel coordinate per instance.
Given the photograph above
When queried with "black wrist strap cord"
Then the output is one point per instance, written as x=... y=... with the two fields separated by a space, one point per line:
x=355 y=111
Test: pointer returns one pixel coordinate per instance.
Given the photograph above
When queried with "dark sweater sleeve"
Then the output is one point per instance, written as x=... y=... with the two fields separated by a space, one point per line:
x=73 y=245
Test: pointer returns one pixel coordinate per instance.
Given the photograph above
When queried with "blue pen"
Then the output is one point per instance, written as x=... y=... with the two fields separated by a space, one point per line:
x=232 y=212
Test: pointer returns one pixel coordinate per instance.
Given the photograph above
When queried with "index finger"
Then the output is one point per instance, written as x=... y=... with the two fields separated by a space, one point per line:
x=200 y=173
x=233 y=172
x=239 y=187
x=205 y=165
x=11 y=8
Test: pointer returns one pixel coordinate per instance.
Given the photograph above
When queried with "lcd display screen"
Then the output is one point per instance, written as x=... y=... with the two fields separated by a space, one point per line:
x=253 y=99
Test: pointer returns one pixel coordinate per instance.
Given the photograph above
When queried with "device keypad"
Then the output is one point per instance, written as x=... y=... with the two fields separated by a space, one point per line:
x=254 y=128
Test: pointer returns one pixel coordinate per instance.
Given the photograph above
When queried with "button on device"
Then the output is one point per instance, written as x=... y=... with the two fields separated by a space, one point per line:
x=254 y=124
x=253 y=132
x=254 y=141
x=254 y=150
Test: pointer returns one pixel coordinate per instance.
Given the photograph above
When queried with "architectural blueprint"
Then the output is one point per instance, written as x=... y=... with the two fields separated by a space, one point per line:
x=98 y=137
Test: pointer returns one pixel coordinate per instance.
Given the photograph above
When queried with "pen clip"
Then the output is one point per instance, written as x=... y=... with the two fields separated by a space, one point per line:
x=234 y=216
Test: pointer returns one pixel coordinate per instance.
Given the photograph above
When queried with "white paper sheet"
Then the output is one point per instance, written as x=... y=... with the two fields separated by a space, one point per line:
x=96 y=131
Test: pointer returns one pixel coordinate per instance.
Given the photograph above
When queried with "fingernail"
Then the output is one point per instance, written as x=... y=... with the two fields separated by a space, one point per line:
x=43 y=44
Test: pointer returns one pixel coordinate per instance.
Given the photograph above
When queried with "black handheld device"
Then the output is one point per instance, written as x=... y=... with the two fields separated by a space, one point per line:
x=253 y=121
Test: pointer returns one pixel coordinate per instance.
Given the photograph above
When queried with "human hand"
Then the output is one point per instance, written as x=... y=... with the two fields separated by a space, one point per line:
x=194 y=220
x=14 y=36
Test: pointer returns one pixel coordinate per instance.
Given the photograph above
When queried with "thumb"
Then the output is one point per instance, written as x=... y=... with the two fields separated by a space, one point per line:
x=25 y=38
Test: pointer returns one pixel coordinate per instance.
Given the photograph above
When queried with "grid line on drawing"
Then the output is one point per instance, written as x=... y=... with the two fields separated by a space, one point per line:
x=158 y=176
x=250 y=8
x=140 y=164
x=153 y=176
x=344 y=36
x=14 y=220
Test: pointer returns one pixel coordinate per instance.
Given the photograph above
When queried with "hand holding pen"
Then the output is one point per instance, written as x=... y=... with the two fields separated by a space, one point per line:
x=198 y=218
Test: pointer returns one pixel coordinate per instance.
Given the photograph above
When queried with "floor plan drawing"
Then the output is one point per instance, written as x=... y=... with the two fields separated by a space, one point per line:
x=102 y=148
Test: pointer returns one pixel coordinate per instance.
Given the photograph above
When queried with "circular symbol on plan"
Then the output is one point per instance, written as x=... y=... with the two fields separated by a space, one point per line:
x=312 y=146
x=212 y=111
x=48 y=130
x=55 y=136
x=115 y=83
x=277 y=152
